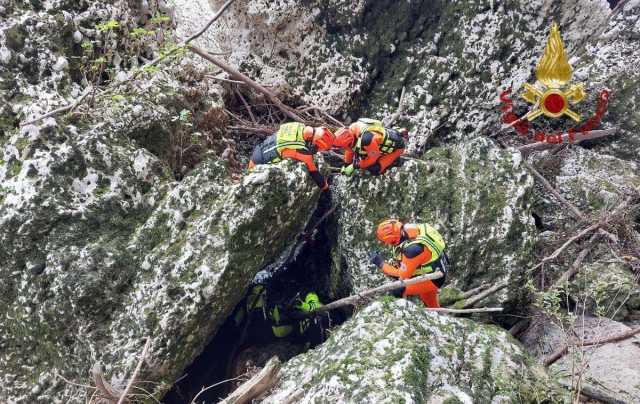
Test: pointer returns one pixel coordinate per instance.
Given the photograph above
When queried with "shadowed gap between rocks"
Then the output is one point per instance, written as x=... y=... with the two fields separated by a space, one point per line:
x=236 y=350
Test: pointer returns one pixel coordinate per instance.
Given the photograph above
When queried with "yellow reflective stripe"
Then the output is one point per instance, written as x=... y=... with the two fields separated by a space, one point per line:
x=423 y=270
x=432 y=234
x=430 y=243
x=281 y=331
x=279 y=146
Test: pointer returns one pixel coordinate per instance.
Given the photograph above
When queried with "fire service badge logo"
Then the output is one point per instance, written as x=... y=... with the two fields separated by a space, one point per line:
x=553 y=96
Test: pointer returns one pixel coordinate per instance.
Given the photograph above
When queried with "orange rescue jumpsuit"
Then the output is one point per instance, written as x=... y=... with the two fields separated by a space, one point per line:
x=413 y=257
x=307 y=159
x=375 y=161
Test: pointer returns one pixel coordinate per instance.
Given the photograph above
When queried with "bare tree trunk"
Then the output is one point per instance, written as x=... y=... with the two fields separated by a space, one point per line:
x=594 y=134
x=257 y=385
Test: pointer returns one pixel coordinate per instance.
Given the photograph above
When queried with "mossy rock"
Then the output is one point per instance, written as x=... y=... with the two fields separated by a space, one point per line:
x=394 y=352
x=476 y=195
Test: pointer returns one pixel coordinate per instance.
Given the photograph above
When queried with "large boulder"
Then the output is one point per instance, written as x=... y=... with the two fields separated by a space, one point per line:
x=394 y=351
x=453 y=58
x=97 y=239
x=596 y=184
x=610 y=371
x=49 y=51
x=608 y=60
x=606 y=288
x=477 y=195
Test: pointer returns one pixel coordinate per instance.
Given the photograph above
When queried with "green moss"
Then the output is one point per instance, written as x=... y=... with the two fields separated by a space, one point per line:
x=15 y=37
x=15 y=166
x=449 y=295
x=22 y=143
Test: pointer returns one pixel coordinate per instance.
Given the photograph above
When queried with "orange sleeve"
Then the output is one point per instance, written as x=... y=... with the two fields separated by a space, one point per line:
x=307 y=159
x=348 y=156
x=408 y=265
x=373 y=152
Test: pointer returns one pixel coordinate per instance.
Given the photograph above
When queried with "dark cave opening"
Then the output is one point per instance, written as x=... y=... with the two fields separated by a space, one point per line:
x=240 y=349
x=613 y=3
x=538 y=222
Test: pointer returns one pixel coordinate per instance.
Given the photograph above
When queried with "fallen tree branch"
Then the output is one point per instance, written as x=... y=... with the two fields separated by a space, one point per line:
x=475 y=299
x=391 y=119
x=577 y=264
x=66 y=108
x=519 y=327
x=234 y=73
x=579 y=137
x=577 y=213
x=560 y=352
x=123 y=396
x=592 y=393
x=211 y=21
x=464 y=311
x=472 y=292
x=355 y=299
x=563 y=247
x=258 y=384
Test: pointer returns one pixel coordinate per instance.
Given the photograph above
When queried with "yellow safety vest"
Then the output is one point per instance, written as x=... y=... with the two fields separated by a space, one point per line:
x=431 y=239
x=373 y=125
x=290 y=136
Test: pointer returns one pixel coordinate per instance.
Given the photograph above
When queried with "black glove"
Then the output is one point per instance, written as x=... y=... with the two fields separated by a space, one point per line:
x=376 y=259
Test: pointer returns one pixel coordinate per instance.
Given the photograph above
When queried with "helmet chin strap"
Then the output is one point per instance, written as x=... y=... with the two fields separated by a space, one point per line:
x=403 y=234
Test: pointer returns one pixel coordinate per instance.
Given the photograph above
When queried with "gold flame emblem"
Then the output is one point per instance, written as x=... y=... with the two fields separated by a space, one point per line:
x=553 y=73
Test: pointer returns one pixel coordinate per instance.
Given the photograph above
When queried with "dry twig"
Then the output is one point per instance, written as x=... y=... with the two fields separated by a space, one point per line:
x=234 y=73
x=211 y=21
x=475 y=299
x=563 y=247
x=579 y=137
x=136 y=371
x=560 y=352
x=69 y=107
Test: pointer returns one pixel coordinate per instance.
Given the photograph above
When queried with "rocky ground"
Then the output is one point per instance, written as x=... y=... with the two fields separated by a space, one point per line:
x=131 y=217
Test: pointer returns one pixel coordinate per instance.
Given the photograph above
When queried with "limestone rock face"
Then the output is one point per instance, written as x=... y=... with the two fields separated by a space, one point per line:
x=592 y=180
x=393 y=351
x=453 y=58
x=607 y=289
x=475 y=194
x=97 y=239
x=609 y=61
x=51 y=49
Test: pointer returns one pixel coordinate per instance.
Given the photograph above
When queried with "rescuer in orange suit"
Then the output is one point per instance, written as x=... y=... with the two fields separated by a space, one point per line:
x=295 y=141
x=420 y=250
x=370 y=146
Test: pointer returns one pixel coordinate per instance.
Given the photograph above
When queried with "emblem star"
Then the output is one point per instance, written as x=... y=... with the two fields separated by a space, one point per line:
x=553 y=73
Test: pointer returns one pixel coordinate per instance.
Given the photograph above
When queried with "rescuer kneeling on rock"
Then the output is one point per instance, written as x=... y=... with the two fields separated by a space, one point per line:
x=419 y=248
x=370 y=146
x=298 y=142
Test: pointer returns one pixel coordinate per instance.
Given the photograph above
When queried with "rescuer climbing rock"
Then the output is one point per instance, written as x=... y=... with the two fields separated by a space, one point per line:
x=370 y=146
x=295 y=141
x=419 y=249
